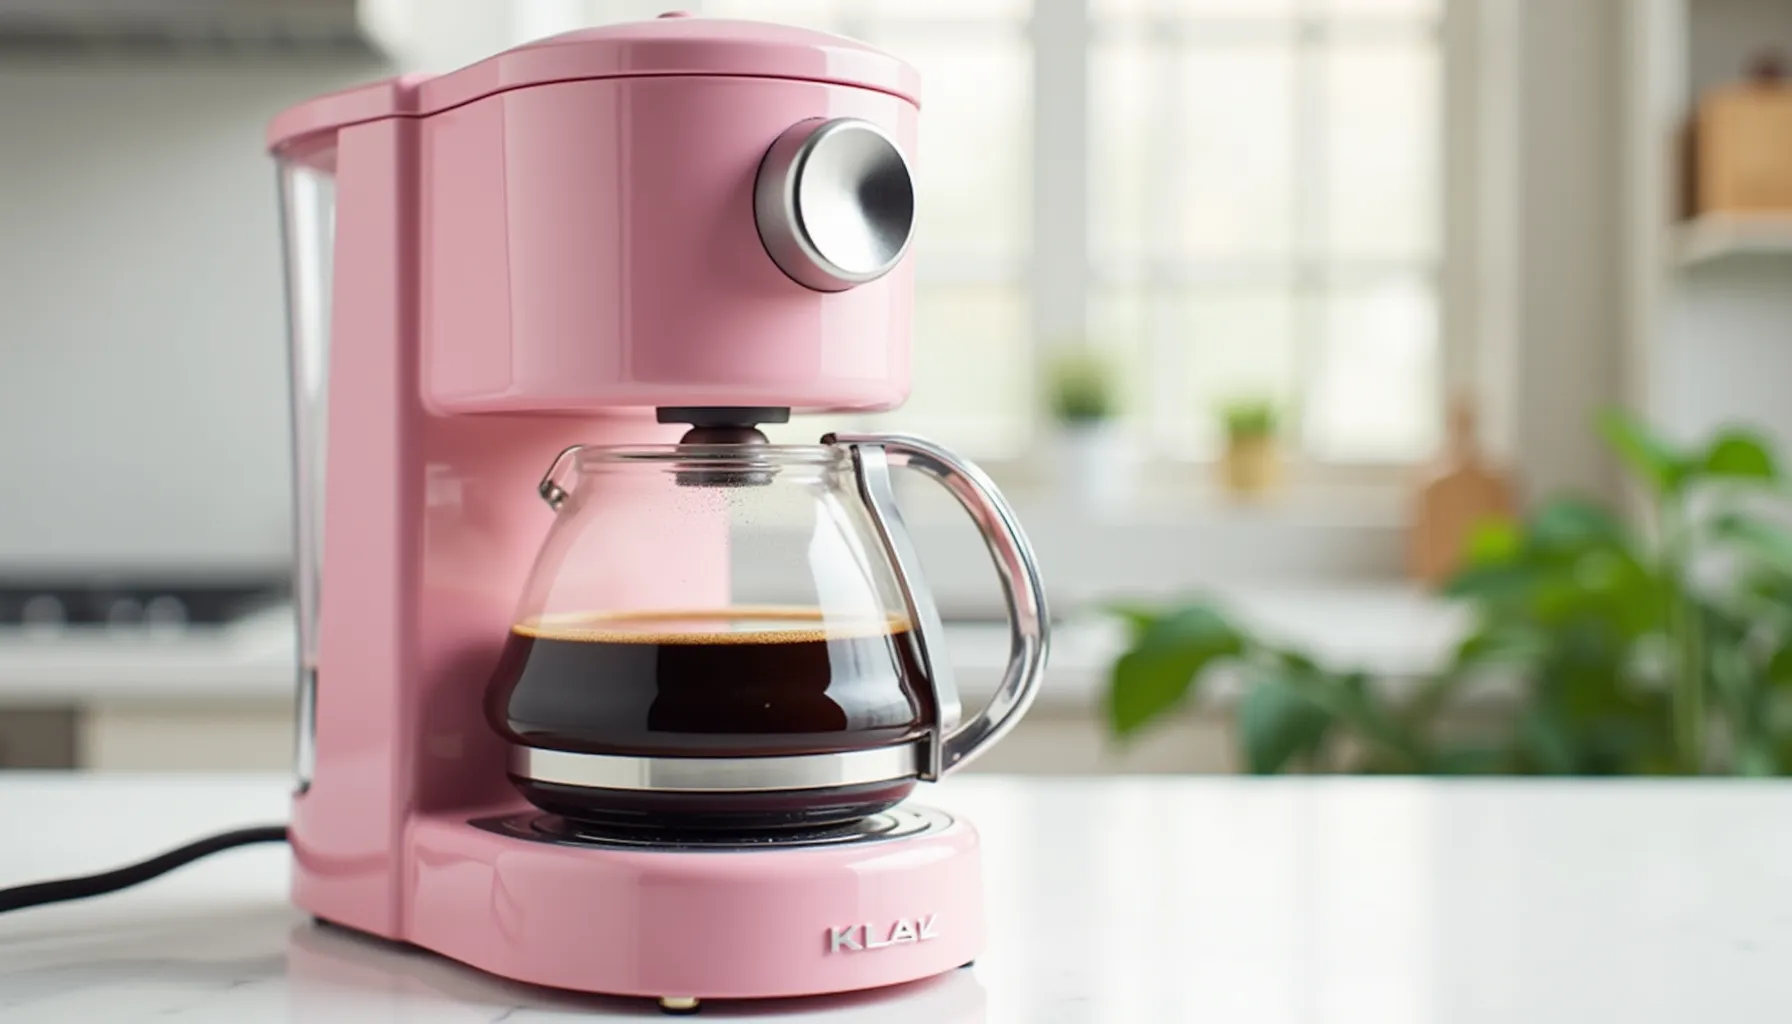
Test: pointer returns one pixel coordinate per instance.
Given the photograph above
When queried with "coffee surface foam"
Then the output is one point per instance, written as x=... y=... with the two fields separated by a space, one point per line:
x=746 y=625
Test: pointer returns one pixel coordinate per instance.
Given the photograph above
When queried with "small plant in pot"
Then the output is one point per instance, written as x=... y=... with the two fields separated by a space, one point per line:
x=1094 y=459
x=1252 y=464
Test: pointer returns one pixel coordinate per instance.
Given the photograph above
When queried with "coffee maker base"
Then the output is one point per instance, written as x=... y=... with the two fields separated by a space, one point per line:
x=692 y=923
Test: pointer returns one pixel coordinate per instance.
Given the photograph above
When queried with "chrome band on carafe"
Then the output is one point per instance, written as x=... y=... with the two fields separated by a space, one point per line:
x=717 y=774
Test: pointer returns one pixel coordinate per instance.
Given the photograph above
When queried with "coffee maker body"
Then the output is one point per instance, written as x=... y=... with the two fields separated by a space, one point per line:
x=561 y=247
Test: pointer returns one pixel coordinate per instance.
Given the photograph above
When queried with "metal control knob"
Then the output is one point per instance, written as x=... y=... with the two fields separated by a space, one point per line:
x=835 y=203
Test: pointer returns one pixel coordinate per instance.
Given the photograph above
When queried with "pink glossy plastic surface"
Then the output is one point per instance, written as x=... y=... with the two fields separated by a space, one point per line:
x=678 y=46
x=325 y=963
x=592 y=244
x=388 y=97
x=673 y=46
x=346 y=830
x=431 y=525
x=585 y=249
x=710 y=924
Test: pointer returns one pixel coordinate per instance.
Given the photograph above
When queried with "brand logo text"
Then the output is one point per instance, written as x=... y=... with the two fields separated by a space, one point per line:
x=863 y=938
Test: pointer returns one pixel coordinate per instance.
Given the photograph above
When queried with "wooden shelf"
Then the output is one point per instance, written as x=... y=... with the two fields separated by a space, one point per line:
x=1715 y=237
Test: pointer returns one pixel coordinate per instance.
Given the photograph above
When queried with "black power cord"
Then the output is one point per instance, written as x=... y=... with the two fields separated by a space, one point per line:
x=62 y=889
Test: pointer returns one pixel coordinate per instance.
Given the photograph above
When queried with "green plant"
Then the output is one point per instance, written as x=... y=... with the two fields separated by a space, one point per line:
x=1081 y=389
x=1251 y=418
x=1665 y=650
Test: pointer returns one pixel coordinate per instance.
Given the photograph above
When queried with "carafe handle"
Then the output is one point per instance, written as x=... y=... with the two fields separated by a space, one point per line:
x=951 y=747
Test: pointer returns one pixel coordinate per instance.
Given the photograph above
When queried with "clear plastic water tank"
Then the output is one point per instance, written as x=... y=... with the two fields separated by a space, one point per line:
x=308 y=223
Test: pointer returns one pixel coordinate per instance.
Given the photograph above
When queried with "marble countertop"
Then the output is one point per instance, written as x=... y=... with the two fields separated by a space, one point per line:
x=1392 y=630
x=1229 y=901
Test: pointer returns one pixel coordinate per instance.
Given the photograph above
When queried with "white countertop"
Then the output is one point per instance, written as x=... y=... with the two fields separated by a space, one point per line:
x=1393 y=630
x=1128 y=901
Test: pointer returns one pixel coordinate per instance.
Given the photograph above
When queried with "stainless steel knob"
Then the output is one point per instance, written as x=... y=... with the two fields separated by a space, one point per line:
x=835 y=203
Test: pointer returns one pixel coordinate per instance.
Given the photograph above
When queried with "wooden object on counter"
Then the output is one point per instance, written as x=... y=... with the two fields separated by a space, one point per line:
x=1460 y=489
x=1743 y=144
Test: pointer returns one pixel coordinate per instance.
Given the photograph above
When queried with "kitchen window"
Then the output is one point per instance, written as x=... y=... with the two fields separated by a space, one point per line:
x=1229 y=198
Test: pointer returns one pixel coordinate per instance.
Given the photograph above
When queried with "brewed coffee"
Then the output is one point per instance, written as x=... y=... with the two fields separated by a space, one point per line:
x=738 y=682
x=744 y=681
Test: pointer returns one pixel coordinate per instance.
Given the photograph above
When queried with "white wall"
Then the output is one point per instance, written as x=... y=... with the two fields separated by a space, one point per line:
x=143 y=417
x=1538 y=123
x=1723 y=36
x=1725 y=355
x=1570 y=297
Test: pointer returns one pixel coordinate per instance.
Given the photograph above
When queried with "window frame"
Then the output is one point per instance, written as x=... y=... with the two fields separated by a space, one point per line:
x=1060 y=272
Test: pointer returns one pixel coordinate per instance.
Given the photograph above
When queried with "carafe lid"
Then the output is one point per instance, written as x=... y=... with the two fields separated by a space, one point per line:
x=675 y=43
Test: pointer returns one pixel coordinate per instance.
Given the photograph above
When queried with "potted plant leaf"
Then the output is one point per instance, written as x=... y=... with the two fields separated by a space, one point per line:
x=1622 y=651
x=1251 y=465
x=1095 y=465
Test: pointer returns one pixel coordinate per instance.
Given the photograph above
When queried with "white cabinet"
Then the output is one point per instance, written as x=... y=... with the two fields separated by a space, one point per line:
x=237 y=735
x=1710 y=300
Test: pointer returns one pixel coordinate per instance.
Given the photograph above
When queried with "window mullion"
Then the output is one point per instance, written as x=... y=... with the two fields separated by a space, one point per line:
x=1165 y=353
x=1308 y=282
x=1057 y=276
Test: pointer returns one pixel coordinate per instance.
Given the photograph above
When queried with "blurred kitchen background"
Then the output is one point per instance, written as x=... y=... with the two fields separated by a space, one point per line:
x=1273 y=302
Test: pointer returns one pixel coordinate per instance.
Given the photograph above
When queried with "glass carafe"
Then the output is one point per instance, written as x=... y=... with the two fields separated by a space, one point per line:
x=738 y=636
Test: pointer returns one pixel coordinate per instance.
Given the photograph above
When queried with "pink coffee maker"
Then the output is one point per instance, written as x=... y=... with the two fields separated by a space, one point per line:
x=594 y=743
